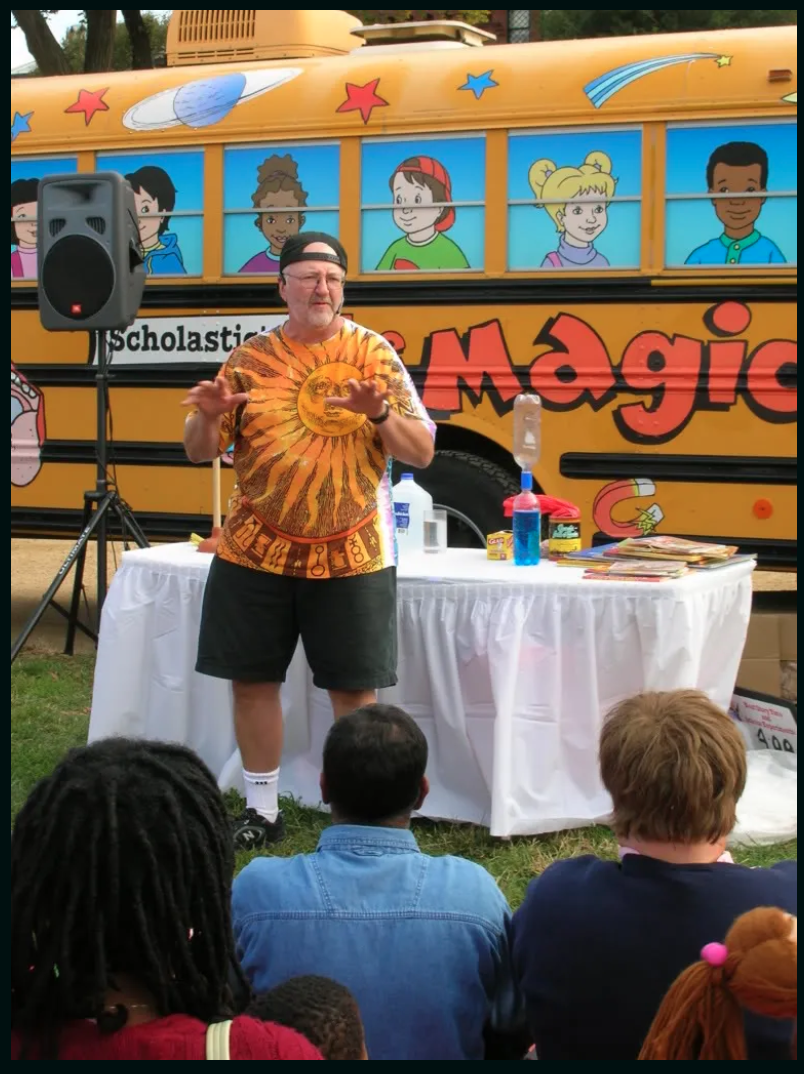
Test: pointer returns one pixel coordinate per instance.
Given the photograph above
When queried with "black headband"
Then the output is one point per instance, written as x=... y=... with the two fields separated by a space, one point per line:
x=297 y=248
x=312 y=256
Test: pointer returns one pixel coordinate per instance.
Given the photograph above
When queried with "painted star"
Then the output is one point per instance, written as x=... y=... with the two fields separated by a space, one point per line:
x=89 y=102
x=478 y=84
x=20 y=125
x=723 y=61
x=791 y=98
x=362 y=99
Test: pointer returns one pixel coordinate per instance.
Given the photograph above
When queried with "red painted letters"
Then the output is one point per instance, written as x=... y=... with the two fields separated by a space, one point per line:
x=679 y=375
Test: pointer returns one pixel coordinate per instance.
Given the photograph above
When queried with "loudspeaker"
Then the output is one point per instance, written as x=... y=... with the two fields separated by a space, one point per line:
x=90 y=265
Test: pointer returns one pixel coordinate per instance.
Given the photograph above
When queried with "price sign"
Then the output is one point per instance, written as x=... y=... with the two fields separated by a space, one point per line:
x=767 y=723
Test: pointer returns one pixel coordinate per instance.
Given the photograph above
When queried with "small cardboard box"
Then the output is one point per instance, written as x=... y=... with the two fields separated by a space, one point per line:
x=788 y=636
x=500 y=545
x=762 y=675
x=769 y=664
x=762 y=639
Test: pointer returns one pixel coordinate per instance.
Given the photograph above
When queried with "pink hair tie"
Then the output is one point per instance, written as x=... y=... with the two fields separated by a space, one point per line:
x=715 y=954
x=548 y=172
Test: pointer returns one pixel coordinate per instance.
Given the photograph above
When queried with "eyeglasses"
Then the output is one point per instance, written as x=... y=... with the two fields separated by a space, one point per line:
x=333 y=283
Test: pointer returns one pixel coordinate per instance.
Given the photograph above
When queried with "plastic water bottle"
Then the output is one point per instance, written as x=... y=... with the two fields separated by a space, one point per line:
x=411 y=502
x=527 y=524
x=527 y=430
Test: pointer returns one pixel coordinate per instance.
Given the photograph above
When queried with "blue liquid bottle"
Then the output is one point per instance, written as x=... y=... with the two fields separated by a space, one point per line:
x=527 y=525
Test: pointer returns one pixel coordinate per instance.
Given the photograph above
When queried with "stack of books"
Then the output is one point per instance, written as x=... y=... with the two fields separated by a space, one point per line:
x=652 y=559
x=635 y=570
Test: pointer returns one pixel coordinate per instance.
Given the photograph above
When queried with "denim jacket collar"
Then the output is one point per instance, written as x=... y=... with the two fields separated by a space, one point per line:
x=364 y=836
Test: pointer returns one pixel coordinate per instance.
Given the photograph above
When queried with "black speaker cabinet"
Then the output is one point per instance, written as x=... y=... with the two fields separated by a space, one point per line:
x=90 y=265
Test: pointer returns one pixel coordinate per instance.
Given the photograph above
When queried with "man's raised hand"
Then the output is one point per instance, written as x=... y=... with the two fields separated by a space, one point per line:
x=214 y=397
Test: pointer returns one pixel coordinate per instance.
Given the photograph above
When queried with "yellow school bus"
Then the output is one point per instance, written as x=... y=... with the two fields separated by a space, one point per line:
x=610 y=223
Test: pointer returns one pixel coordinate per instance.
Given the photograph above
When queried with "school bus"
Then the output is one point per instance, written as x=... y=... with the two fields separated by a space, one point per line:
x=610 y=223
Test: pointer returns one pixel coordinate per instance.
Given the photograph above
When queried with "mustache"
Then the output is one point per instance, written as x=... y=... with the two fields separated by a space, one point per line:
x=335 y=307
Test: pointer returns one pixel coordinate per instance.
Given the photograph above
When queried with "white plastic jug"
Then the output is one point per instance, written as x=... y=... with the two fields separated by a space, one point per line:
x=411 y=502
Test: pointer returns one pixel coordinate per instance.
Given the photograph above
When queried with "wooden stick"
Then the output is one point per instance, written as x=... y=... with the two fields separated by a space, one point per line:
x=216 y=493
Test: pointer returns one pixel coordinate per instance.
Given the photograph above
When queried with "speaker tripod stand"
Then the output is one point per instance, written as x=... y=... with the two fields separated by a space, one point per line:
x=99 y=504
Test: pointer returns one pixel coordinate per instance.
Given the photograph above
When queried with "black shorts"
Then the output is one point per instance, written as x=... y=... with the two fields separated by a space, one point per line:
x=251 y=622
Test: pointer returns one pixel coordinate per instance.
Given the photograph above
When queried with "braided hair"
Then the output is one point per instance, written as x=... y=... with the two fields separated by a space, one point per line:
x=322 y=1010
x=121 y=863
x=701 y=1017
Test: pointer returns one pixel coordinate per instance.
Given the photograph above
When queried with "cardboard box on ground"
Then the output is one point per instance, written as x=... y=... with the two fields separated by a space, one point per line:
x=769 y=663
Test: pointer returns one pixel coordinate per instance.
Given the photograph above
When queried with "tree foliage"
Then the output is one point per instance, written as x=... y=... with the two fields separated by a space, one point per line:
x=557 y=25
x=97 y=43
x=134 y=46
x=101 y=43
x=47 y=53
x=473 y=18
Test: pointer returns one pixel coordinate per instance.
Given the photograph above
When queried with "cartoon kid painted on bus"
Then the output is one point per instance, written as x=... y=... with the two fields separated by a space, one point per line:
x=577 y=201
x=154 y=193
x=279 y=196
x=737 y=168
x=27 y=429
x=23 y=228
x=421 y=186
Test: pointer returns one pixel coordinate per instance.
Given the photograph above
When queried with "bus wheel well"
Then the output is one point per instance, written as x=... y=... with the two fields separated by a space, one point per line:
x=454 y=438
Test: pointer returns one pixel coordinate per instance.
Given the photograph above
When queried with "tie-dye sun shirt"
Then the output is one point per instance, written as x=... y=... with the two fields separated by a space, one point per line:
x=314 y=480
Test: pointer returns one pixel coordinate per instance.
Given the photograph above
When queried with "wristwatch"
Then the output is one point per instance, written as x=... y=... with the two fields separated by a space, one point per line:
x=384 y=416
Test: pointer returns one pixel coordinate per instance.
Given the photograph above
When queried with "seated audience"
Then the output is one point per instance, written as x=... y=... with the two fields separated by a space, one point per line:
x=321 y=1010
x=598 y=943
x=420 y=941
x=756 y=969
x=121 y=935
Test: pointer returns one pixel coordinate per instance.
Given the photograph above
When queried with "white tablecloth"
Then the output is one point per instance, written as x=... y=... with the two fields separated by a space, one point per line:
x=508 y=670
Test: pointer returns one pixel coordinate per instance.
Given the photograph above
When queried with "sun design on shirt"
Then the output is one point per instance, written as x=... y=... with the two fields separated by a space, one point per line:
x=309 y=468
x=316 y=413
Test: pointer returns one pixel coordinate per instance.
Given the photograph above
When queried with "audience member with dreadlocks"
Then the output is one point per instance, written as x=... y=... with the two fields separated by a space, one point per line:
x=323 y=1011
x=755 y=970
x=121 y=938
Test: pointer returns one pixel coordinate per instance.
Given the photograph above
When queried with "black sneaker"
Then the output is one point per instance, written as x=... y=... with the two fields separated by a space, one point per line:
x=251 y=831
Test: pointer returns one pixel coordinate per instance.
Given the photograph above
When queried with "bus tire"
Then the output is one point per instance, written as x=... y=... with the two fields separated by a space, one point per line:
x=471 y=485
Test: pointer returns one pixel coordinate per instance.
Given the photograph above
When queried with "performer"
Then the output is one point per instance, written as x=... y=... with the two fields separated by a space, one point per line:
x=315 y=409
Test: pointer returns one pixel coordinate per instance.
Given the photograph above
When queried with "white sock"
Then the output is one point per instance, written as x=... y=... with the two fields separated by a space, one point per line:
x=262 y=793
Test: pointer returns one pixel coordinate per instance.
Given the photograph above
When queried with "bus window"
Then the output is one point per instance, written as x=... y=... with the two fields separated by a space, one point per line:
x=574 y=200
x=25 y=176
x=271 y=193
x=169 y=192
x=731 y=194
x=422 y=204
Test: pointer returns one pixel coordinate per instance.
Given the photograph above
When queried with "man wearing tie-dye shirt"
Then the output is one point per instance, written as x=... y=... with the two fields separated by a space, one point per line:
x=316 y=411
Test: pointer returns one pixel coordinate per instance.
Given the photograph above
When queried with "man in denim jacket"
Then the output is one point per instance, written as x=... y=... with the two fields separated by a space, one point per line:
x=421 y=942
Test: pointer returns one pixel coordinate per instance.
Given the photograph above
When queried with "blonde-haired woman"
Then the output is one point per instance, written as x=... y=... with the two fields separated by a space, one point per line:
x=577 y=201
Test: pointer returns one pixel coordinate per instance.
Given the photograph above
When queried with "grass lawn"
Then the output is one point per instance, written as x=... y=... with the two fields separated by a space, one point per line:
x=50 y=699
